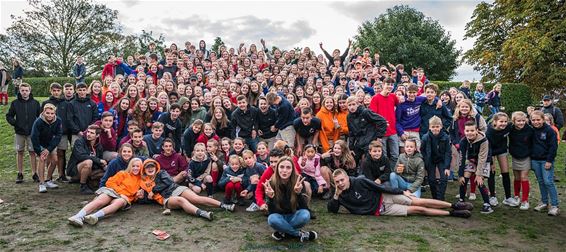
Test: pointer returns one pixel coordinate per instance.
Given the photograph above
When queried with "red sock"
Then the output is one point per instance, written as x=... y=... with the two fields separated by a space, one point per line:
x=214 y=175
x=517 y=187
x=473 y=184
x=525 y=185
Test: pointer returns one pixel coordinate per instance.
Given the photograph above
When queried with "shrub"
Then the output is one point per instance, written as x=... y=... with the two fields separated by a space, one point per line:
x=40 y=85
x=514 y=96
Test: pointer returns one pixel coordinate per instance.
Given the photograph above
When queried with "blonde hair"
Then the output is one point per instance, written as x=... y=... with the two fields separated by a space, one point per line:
x=518 y=114
x=498 y=116
x=236 y=158
x=49 y=106
x=131 y=163
x=435 y=120
x=468 y=102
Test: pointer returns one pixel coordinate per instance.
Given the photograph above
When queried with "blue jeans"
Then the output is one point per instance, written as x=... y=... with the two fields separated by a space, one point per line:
x=399 y=182
x=493 y=110
x=391 y=148
x=289 y=223
x=252 y=143
x=545 y=180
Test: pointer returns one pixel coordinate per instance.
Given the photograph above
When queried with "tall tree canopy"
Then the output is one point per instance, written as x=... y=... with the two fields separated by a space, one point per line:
x=50 y=36
x=520 y=41
x=404 y=35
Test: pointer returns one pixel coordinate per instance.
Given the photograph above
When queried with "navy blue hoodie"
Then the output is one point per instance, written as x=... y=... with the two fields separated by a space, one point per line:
x=544 y=144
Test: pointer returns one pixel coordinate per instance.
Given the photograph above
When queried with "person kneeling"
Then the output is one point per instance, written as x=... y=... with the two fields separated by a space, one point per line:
x=362 y=196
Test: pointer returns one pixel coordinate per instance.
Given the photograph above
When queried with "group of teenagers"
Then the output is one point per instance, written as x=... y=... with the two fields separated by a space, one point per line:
x=274 y=129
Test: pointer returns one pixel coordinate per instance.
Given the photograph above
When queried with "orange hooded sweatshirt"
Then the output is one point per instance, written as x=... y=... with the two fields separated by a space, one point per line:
x=125 y=183
x=328 y=132
x=148 y=182
x=342 y=118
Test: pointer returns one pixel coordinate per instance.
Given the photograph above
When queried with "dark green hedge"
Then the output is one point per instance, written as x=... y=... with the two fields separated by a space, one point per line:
x=514 y=97
x=40 y=85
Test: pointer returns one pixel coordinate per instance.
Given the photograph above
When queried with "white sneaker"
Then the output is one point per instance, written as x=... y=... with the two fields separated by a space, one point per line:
x=524 y=206
x=472 y=196
x=50 y=184
x=252 y=208
x=540 y=207
x=554 y=211
x=75 y=221
x=510 y=202
x=91 y=219
x=493 y=201
x=42 y=188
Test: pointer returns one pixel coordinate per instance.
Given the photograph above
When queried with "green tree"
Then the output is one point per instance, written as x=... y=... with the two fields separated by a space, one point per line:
x=217 y=44
x=50 y=36
x=405 y=36
x=520 y=41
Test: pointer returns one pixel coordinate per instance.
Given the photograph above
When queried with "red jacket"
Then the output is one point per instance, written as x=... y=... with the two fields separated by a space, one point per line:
x=203 y=138
x=108 y=71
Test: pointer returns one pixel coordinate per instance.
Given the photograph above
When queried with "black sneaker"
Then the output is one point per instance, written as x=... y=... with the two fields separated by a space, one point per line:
x=305 y=236
x=461 y=205
x=35 y=178
x=313 y=215
x=486 y=209
x=85 y=190
x=327 y=195
x=461 y=213
x=278 y=236
x=63 y=179
x=20 y=178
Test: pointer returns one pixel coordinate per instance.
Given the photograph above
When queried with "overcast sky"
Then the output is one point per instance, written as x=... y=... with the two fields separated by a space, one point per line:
x=284 y=24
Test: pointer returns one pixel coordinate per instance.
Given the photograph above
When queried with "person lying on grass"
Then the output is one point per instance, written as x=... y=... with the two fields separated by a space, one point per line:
x=362 y=196
x=160 y=187
x=121 y=190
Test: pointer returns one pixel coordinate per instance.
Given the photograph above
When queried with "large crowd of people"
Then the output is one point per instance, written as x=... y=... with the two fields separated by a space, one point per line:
x=275 y=129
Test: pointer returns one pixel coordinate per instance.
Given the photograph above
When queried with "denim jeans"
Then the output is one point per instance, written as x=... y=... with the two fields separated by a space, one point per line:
x=391 y=148
x=289 y=223
x=545 y=180
x=399 y=182
x=252 y=143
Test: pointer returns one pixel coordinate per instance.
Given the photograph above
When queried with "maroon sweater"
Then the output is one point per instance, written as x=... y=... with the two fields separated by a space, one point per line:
x=173 y=164
x=107 y=143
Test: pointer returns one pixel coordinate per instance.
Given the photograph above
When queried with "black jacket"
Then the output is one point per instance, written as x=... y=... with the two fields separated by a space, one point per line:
x=22 y=114
x=556 y=114
x=440 y=145
x=362 y=197
x=521 y=141
x=244 y=122
x=364 y=126
x=265 y=121
x=61 y=105
x=498 y=139
x=45 y=135
x=164 y=184
x=172 y=129
x=82 y=152
x=376 y=169
x=82 y=113
x=284 y=207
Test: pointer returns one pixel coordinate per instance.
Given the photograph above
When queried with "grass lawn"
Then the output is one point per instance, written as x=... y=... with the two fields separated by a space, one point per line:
x=30 y=221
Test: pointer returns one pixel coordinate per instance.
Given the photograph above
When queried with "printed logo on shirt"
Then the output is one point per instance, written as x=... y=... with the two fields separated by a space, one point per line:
x=358 y=195
x=173 y=163
x=413 y=111
x=382 y=168
x=543 y=136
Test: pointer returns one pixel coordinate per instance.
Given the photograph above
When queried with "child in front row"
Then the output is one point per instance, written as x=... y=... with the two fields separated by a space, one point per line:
x=238 y=146
x=252 y=172
x=542 y=162
x=216 y=156
x=436 y=151
x=497 y=136
x=199 y=171
x=409 y=170
x=232 y=179
x=262 y=154
x=376 y=166
x=520 y=145
x=310 y=169
x=474 y=159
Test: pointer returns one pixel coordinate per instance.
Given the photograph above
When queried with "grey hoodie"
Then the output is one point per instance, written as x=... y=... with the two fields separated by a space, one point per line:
x=414 y=171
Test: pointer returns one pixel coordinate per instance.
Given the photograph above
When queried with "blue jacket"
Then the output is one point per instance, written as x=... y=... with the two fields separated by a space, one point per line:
x=440 y=143
x=544 y=144
x=429 y=110
x=79 y=70
x=116 y=165
x=46 y=135
x=408 y=115
x=228 y=172
x=285 y=114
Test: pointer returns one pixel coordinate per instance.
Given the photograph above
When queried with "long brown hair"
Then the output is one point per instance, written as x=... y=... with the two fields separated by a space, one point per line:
x=346 y=159
x=278 y=185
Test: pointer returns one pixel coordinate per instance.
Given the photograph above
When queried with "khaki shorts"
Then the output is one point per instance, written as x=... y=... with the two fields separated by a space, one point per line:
x=113 y=194
x=176 y=193
x=22 y=141
x=414 y=135
x=395 y=205
x=64 y=143
x=521 y=164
